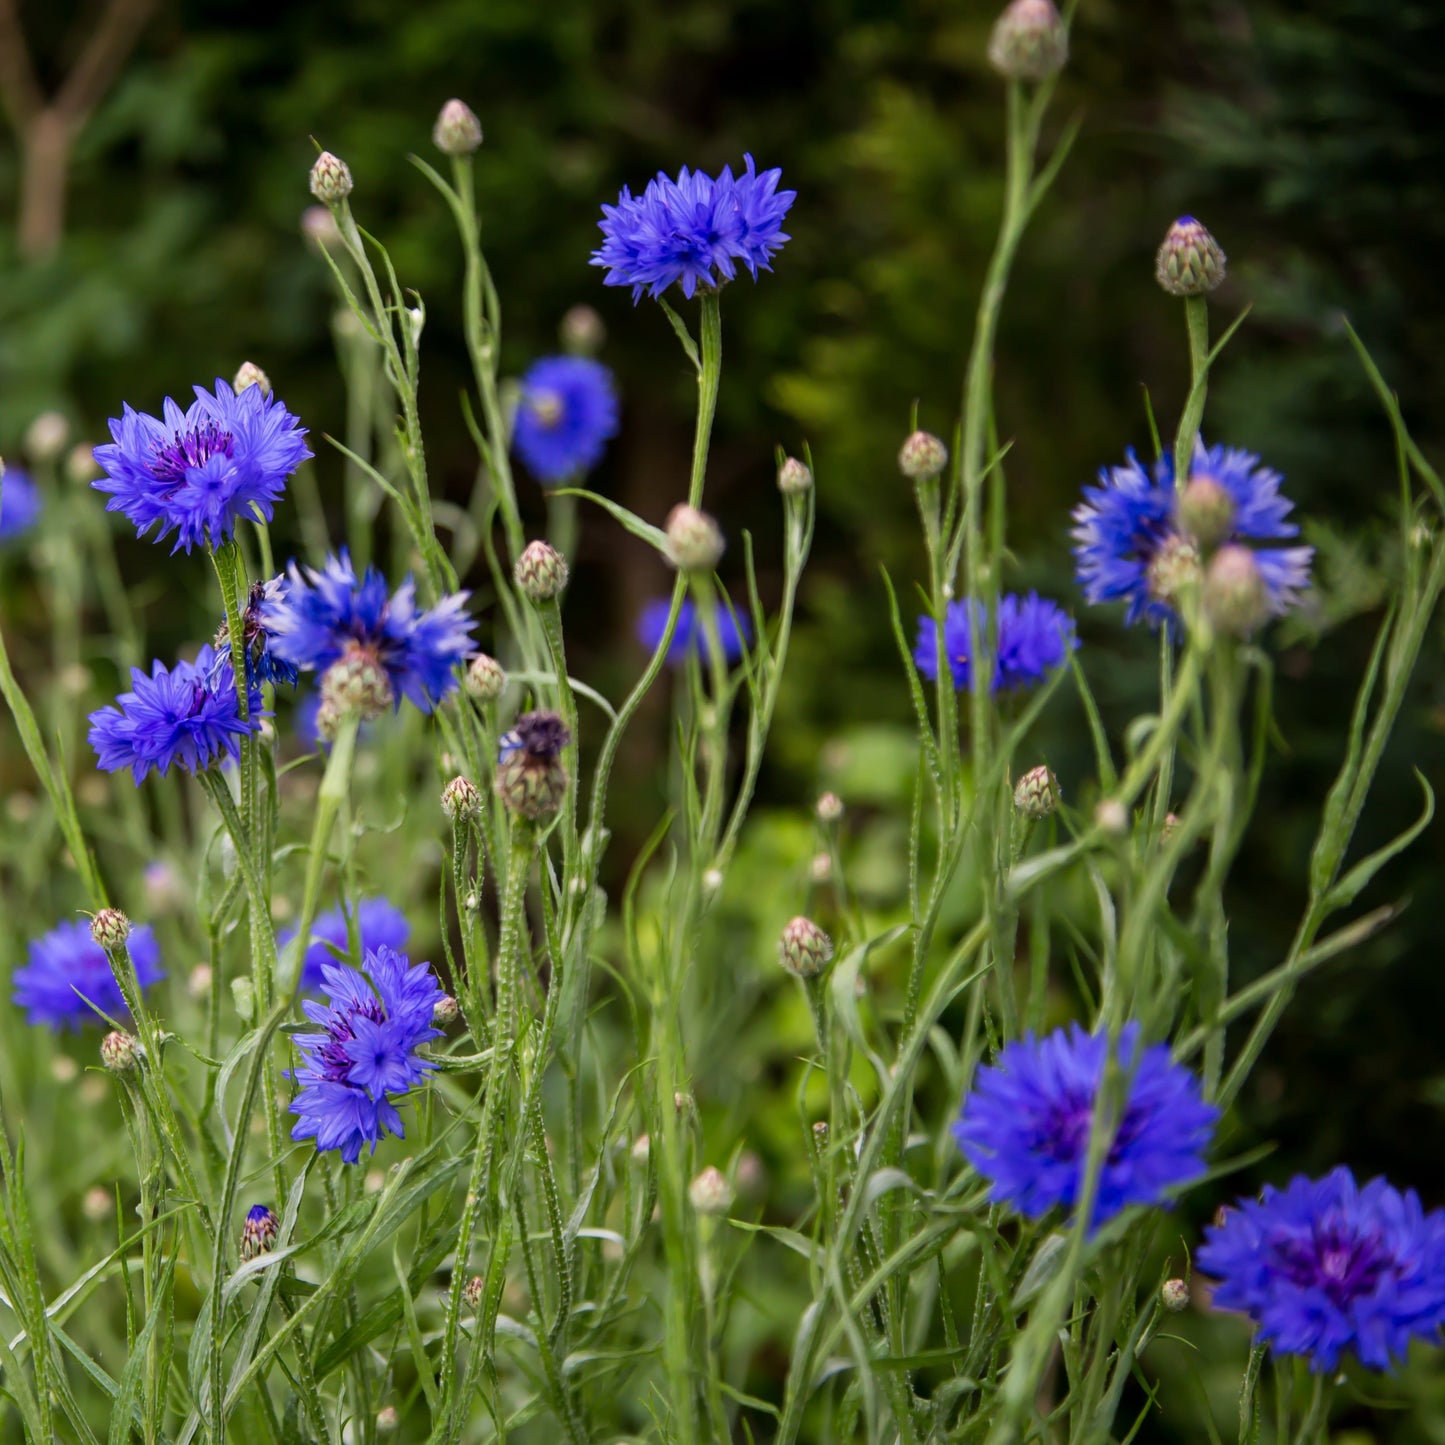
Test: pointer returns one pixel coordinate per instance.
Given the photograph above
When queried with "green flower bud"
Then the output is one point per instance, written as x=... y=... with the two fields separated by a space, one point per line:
x=1173 y=570
x=541 y=572
x=457 y=131
x=330 y=179
x=1190 y=262
x=804 y=949
x=249 y=374
x=922 y=457
x=710 y=1192
x=1029 y=41
x=485 y=679
x=461 y=800
x=1036 y=794
x=110 y=928
x=1236 y=599
x=119 y=1052
x=355 y=683
x=1205 y=511
x=1174 y=1295
x=694 y=541
x=794 y=478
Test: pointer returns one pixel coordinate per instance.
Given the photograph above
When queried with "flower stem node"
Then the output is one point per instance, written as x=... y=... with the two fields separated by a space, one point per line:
x=582 y=331
x=1036 y=794
x=444 y=1012
x=1206 y=512
x=119 y=1051
x=472 y=1291
x=110 y=928
x=461 y=800
x=694 y=540
x=485 y=679
x=457 y=131
x=1236 y=599
x=1029 y=41
x=710 y=1192
x=922 y=457
x=794 y=477
x=1174 y=1295
x=330 y=179
x=357 y=682
x=249 y=374
x=258 y=1233
x=804 y=949
x=541 y=572
x=531 y=779
x=1189 y=262
x=830 y=809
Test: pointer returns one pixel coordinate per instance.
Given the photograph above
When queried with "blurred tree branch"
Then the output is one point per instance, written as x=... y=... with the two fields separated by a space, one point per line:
x=47 y=129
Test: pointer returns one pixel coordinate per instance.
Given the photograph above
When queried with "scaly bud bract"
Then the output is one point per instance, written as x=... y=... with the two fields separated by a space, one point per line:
x=794 y=477
x=485 y=679
x=922 y=457
x=110 y=928
x=1236 y=599
x=541 y=572
x=1036 y=794
x=330 y=179
x=457 y=131
x=694 y=541
x=1189 y=262
x=357 y=683
x=258 y=1233
x=1029 y=41
x=119 y=1051
x=804 y=949
x=461 y=800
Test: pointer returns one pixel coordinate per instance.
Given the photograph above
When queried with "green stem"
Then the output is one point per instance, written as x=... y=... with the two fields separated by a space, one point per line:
x=708 y=380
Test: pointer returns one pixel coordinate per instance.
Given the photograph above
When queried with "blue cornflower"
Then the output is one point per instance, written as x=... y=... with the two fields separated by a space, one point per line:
x=262 y=664
x=1034 y=636
x=67 y=967
x=187 y=715
x=366 y=1051
x=329 y=614
x=1325 y=1266
x=734 y=632
x=1130 y=547
x=378 y=925
x=225 y=458
x=1026 y=1124
x=693 y=231
x=566 y=416
x=19 y=503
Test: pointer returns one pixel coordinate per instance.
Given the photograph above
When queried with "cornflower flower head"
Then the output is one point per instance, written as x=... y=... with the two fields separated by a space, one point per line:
x=371 y=1026
x=566 y=416
x=262 y=663
x=693 y=231
x=734 y=630
x=1326 y=1267
x=197 y=472
x=187 y=716
x=378 y=924
x=1035 y=636
x=1129 y=544
x=1026 y=1124
x=66 y=971
x=330 y=614
x=19 y=503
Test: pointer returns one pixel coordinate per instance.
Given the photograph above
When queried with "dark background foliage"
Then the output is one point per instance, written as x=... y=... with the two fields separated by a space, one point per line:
x=1310 y=139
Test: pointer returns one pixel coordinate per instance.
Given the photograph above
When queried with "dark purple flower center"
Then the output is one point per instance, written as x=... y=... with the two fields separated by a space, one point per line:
x=541 y=735
x=190 y=450
x=1335 y=1259
x=333 y=1057
x=1064 y=1136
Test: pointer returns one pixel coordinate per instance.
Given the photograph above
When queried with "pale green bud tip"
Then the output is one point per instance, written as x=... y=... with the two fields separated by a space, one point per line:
x=457 y=132
x=694 y=541
x=330 y=179
x=1029 y=41
x=110 y=928
x=119 y=1052
x=830 y=808
x=922 y=457
x=804 y=949
x=355 y=683
x=1206 y=511
x=1036 y=794
x=1173 y=570
x=1190 y=262
x=541 y=572
x=1174 y=1295
x=485 y=679
x=445 y=1012
x=387 y=1419
x=472 y=1291
x=46 y=436
x=582 y=331
x=249 y=374
x=461 y=800
x=794 y=477
x=1236 y=599
x=710 y=1192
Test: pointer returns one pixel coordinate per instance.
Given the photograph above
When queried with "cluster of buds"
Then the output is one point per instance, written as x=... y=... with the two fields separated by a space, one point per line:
x=922 y=457
x=794 y=477
x=258 y=1234
x=694 y=541
x=1036 y=794
x=1029 y=41
x=531 y=779
x=541 y=572
x=457 y=131
x=804 y=949
x=1189 y=262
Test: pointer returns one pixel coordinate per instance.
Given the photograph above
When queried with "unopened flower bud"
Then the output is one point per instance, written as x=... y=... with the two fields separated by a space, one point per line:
x=820 y=870
x=804 y=949
x=1189 y=262
x=110 y=928
x=80 y=465
x=694 y=541
x=97 y=1204
x=485 y=679
x=457 y=131
x=1173 y=570
x=710 y=1192
x=1205 y=511
x=531 y=778
x=319 y=227
x=46 y=436
x=794 y=477
x=829 y=808
x=1112 y=817
x=582 y=331
x=472 y=1291
x=541 y=571
x=330 y=179
x=1029 y=41
x=461 y=800
x=243 y=995
x=387 y=1420
x=684 y=1104
x=1036 y=794
x=641 y=1149
x=444 y=1012
x=1236 y=599
x=1174 y=1295
x=119 y=1051
x=328 y=721
x=712 y=882
x=249 y=374
x=356 y=683
x=198 y=981
x=922 y=457
x=258 y=1234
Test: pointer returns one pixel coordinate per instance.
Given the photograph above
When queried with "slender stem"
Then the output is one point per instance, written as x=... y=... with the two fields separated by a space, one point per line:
x=708 y=379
